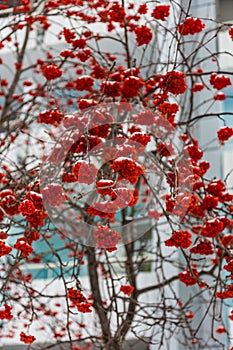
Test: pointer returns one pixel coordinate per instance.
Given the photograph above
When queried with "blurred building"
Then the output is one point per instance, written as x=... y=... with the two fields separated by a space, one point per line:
x=205 y=131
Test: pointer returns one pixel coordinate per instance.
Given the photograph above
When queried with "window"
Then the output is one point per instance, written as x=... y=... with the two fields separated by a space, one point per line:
x=228 y=106
x=52 y=250
x=224 y=10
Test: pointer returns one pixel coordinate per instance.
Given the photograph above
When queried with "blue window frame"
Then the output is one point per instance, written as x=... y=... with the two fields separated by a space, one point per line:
x=228 y=106
x=52 y=251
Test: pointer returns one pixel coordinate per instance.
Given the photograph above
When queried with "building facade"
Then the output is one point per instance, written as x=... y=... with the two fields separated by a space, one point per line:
x=221 y=158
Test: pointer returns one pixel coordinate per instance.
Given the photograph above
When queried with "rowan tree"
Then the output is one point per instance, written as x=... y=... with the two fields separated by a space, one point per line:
x=102 y=172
